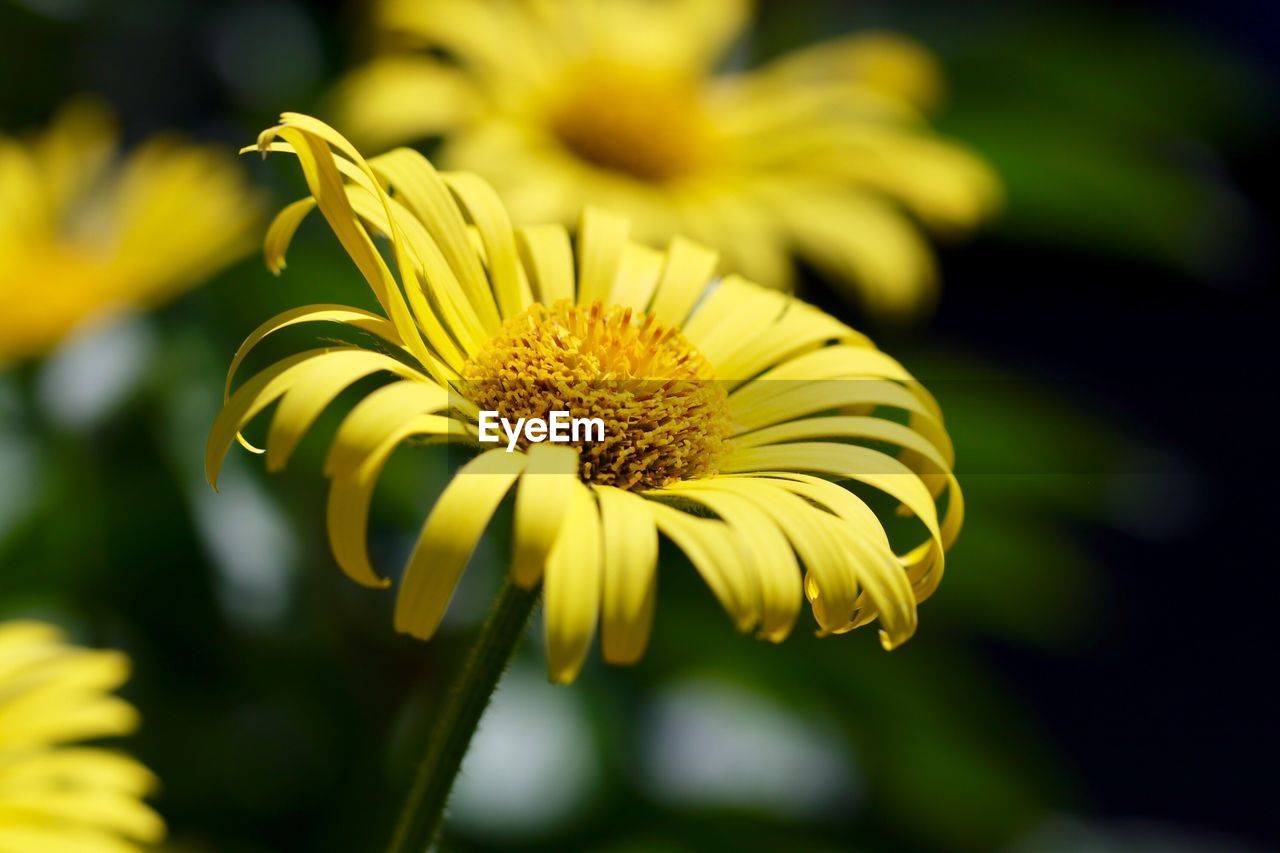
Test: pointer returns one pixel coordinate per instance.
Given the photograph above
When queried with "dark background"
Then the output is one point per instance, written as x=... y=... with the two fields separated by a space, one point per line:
x=1097 y=671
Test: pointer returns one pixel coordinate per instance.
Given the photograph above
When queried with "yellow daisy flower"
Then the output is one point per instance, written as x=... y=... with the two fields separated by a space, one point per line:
x=56 y=797
x=729 y=413
x=824 y=152
x=84 y=234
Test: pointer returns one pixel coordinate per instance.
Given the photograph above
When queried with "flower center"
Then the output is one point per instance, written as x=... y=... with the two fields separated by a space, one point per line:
x=665 y=417
x=639 y=122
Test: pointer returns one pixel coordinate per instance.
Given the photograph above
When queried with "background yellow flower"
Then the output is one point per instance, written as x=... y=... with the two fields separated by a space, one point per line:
x=84 y=233
x=824 y=152
x=56 y=797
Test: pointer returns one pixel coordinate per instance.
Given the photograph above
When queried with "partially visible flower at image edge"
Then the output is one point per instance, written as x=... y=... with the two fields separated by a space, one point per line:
x=86 y=233
x=824 y=152
x=731 y=412
x=57 y=795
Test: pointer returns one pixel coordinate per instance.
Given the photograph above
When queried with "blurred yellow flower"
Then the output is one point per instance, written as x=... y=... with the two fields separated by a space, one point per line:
x=83 y=236
x=718 y=398
x=824 y=152
x=54 y=796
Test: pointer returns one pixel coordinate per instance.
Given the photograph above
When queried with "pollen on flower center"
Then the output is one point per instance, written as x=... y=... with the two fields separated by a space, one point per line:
x=639 y=122
x=666 y=418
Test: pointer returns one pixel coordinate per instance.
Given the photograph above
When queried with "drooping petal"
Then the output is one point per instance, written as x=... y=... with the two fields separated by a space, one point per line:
x=630 y=538
x=448 y=538
x=571 y=588
x=865 y=465
x=719 y=558
x=542 y=503
x=777 y=574
x=352 y=490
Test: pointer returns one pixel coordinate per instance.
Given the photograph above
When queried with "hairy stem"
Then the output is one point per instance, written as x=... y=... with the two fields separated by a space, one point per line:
x=451 y=733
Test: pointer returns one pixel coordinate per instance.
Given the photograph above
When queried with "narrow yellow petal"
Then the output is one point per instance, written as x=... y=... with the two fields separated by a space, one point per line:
x=630 y=538
x=684 y=279
x=601 y=237
x=379 y=414
x=448 y=538
x=351 y=492
x=777 y=574
x=425 y=192
x=718 y=557
x=547 y=254
x=249 y=399
x=315 y=386
x=490 y=218
x=571 y=588
x=542 y=502
x=280 y=233
x=637 y=277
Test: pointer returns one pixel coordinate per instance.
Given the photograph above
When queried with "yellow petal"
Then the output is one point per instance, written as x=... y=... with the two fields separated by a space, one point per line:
x=273 y=382
x=637 y=278
x=281 y=231
x=315 y=386
x=888 y=63
x=601 y=237
x=82 y=767
x=379 y=414
x=490 y=218
x=876 y=469
x=450 y=536
x=630 y=538
x=425 y=193
x=548 y=256
x=684 y=279
x=718 y=557
x=571 y=588
x=395 y=99
x=861 y=241
x=777 y=574
x=542 y=502
x=812 y=537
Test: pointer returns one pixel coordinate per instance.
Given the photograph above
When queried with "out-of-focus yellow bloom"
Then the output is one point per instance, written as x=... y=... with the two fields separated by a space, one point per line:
x=84 y=234
x=56 y=797
x=729 y=411
x=824 y=152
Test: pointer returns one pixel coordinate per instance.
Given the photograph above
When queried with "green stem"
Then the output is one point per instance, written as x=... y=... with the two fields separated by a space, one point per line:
x=423 y=812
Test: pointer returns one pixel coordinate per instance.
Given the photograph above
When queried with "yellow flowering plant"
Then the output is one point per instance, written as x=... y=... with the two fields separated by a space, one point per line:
x=85 y=233
x=825 y=152
x=57 y=796
x=732 y=415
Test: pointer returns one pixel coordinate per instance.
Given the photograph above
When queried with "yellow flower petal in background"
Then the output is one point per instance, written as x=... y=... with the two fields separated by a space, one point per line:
x=83 y=236
x=824 y=153
x=54 y=796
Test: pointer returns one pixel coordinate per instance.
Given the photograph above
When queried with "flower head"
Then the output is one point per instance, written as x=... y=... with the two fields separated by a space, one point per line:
x=55 y=795
x=824 y=152
x=732 y=414
x=82 y=235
